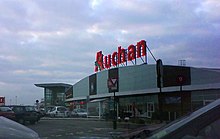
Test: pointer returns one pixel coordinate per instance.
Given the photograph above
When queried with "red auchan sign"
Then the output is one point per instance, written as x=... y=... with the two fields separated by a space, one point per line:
x=121 y=56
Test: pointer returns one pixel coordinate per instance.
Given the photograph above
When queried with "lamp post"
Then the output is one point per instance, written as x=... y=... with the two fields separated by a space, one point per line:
x=113 y=86
x=115 y=115
x=159 y=69
x=180 y=81
x=16 y=97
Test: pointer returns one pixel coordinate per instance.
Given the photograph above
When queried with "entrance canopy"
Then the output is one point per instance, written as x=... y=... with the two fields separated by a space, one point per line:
x=54 y=93
x=47 y=85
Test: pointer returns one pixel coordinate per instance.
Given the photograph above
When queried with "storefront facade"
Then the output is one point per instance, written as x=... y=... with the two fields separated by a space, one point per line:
x=124 y=82
x=184 y=89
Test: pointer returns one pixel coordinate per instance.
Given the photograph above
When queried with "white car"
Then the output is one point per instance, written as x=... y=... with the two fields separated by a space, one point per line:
x=59 y=111
x=79 y=113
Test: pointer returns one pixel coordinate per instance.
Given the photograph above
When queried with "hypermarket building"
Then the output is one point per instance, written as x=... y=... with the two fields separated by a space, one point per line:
x=135 y=86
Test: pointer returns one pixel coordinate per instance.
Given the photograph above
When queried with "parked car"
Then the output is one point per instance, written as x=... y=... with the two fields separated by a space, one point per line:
x=59 y=111
x=25 y=114
x=79 y=113
x=7 y=112
x=40 y=114
x=201 y=124
x=12 y=130
x=42 y=111
x=48 y=109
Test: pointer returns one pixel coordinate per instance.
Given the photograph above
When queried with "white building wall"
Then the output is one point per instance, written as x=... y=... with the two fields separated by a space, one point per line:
x=102 y=78
x=81 y=88
x=204 y=76
x=138 y=77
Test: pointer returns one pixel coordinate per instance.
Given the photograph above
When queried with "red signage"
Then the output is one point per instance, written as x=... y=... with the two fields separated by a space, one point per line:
x=122 y=56
x=2 y=100
x=112 y=83
x=180 y=79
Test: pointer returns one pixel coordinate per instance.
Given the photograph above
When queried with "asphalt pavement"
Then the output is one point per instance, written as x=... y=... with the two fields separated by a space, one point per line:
x=81 y=128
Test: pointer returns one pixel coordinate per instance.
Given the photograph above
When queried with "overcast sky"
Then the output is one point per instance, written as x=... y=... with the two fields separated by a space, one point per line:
x=46 y=41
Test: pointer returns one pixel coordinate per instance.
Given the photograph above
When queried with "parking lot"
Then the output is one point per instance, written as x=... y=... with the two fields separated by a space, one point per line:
x=74 y=128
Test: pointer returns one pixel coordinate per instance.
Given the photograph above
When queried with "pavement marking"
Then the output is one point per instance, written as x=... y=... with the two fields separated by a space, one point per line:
x=80 y=133
x=94 y=138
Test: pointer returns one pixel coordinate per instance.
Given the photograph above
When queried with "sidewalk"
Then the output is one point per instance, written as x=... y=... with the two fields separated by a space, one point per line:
x=70 y=118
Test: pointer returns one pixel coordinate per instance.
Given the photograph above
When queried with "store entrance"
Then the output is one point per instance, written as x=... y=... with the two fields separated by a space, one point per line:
x=174 y=104
x=143 y=106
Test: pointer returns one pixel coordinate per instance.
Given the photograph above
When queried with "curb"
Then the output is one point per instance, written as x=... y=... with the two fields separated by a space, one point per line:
x=57 y=118
x=129 y=125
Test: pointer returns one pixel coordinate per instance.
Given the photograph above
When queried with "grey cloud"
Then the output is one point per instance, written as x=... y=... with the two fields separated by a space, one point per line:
x=53 y=41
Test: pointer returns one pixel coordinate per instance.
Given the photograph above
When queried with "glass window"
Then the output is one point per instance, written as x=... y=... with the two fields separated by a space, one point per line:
x=5 y=109
x=30 y=108
x=211 y=131
x=196 y=105
x=53 y=109
x=138 y=105
x=48 y=94
x=150 y=109
x=17 y=109
x=93 y=109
